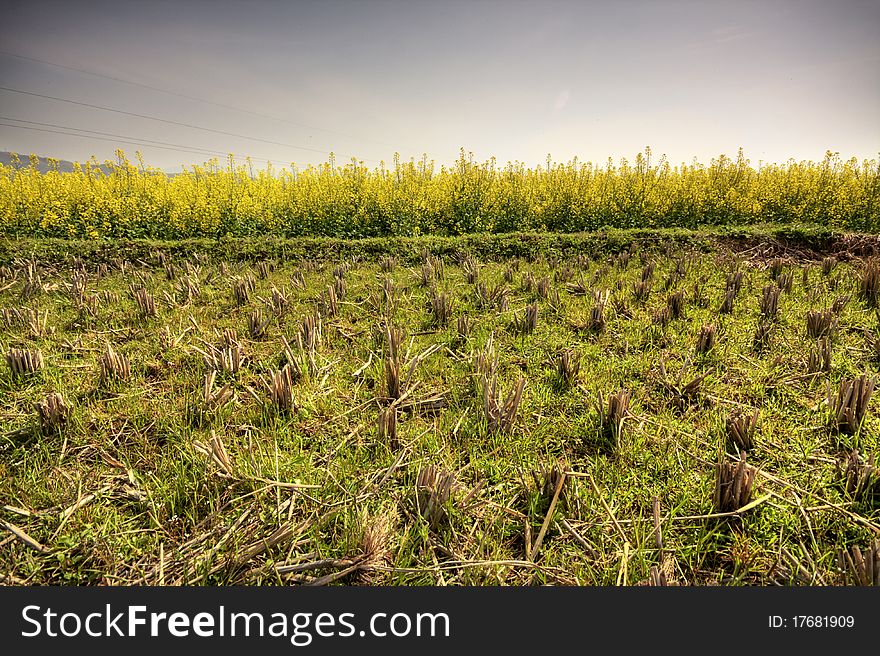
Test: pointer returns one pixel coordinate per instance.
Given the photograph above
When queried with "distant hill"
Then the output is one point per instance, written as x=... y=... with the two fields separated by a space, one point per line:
x=63 y=165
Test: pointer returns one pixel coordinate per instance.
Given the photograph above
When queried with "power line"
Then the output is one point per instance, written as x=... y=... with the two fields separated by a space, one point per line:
x=163 y=120
x=84 y=136
x=145 y=142
x=188 y=97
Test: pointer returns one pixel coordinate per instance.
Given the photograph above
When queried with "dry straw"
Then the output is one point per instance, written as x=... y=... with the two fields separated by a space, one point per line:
x=435 y=489
x=215 y=398
x=24 y=362
x=597 y=311
x=392 y=378
x=568 y=367
x=298 y=280
x=216 y=452
x=277 y=303
x=340 y=288
x=675 y=303
x=389 y=296
x=828 y=265
x=706 y=338
x=113 y=366
x=776 y=266
x=427 y=274
x=862 y=569
x=734 y=282
x=387 y=264
x=849 y=407
x=377 y=534
x=188 y=288
x=542 y=286
x=463 y=327
x=869 y=282
x=547 y=479
x=311 y=332
x=761 y=336
x=820 y=323
x=330 y=299
x=641 y=290
x=621 y=309
x=486 y=297
x=579 y=287
x=662 y=317
x=486 y=360
x=840 y=303
x=741 y=428
x=471 y=270
x=501 y=416
x=872 y=345
x=298 y=360
x=769 y=304
x=525 y=323
x=785 y=281
x=682 y=394
x=613 y=414
x=146 y=304
x=727 y=302
x=258 y=325
x=441 y=308
x=387 y=427
x=228 y=357
x=563 y=275
x=279 y=387
x=733 y=484
x=52 y=412
x=861 y=479
x=819 y=356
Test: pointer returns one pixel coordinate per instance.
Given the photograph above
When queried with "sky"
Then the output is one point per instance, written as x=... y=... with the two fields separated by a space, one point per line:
x=289 y=82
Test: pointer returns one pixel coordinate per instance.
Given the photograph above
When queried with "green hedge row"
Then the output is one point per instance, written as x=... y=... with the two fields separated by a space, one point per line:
x=818 y=239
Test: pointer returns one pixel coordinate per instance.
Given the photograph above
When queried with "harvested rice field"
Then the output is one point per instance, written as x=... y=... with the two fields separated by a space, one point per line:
x=655 y=415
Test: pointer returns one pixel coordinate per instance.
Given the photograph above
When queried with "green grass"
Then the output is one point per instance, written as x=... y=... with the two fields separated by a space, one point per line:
x=124 y=492
x=409 y=249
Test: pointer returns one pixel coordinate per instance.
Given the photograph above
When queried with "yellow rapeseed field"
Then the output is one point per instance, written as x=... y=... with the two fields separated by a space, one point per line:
x=131 y=200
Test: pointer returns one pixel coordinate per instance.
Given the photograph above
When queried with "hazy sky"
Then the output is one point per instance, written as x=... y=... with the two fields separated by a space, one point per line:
x=517 y=80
